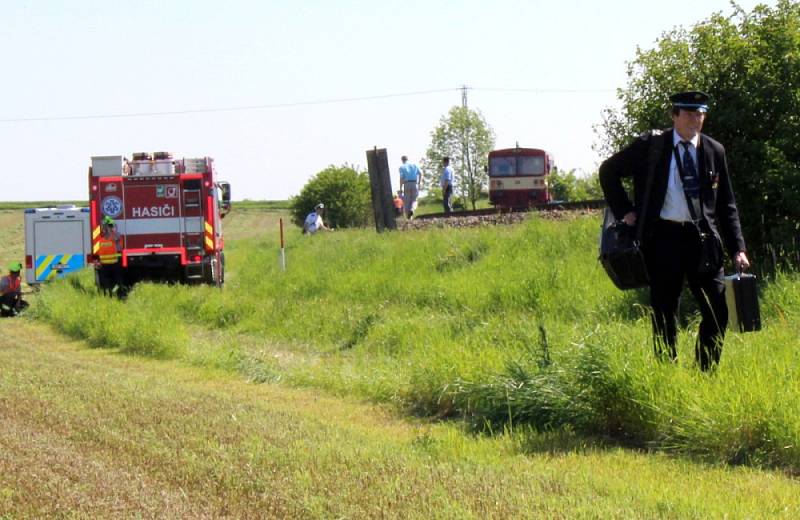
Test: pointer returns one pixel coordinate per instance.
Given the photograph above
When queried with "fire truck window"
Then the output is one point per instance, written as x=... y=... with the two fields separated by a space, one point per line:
x=531 y=165
x=502 y=166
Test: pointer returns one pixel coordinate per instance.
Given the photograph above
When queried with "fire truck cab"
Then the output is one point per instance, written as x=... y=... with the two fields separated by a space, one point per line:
x=168 y=213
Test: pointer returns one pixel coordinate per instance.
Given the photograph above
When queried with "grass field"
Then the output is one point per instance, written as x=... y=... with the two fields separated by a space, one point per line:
x=508 y=331
x=91 y=434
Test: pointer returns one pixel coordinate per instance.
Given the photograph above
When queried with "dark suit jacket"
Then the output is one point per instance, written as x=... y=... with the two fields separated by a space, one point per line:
x=716 y=192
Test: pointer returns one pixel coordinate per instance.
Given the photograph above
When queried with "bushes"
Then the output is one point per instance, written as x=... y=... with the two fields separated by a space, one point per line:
x=344 y=190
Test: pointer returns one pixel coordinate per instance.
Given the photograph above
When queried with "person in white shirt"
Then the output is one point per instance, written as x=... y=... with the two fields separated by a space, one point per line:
x=691 y=196
x=313 y=222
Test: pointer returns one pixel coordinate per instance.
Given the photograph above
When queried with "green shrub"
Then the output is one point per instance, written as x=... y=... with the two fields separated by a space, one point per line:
x=344 y=190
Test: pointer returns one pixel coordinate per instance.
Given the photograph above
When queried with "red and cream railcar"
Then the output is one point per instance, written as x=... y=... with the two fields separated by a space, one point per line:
x=518 y=177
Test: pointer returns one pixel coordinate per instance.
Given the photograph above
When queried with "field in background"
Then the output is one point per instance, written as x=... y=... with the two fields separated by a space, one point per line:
x=12 y=232
x=40 y=204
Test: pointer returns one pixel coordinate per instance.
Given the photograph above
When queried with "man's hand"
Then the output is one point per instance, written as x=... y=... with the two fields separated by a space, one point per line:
x=741 y=262
x=630 y=218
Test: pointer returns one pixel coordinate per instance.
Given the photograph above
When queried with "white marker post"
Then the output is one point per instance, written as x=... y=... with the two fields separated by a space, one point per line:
x=283 y=253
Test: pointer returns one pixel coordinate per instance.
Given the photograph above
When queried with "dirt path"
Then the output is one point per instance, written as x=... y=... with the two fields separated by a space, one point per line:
x=88 y=433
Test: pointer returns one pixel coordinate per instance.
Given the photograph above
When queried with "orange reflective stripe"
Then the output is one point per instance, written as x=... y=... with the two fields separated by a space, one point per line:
x=107 y=251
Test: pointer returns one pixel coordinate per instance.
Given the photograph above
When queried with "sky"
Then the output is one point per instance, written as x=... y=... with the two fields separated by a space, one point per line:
x=276 y=91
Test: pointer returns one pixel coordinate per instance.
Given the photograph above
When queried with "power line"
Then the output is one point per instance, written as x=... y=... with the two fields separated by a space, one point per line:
x=546 y=90
x=463 y=89
x=226 y=109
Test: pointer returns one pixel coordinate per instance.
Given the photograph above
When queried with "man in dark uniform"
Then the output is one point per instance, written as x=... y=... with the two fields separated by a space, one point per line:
x=671 y=240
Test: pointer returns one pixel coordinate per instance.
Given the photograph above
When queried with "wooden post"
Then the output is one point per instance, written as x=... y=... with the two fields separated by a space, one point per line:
x=381 y=187
x=283 y=254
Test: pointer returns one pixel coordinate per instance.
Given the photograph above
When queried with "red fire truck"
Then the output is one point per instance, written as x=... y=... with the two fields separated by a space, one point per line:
x=168 y=213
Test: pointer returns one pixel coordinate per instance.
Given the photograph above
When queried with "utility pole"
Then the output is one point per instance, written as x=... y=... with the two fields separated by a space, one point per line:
x=465 y=162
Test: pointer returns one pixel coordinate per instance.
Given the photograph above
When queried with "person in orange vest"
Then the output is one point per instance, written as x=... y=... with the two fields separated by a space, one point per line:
x=11 y=302
x=110 y=270
x=398 y=204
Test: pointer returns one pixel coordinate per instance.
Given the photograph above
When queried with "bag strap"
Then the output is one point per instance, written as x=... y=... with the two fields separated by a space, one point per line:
x=653 y=155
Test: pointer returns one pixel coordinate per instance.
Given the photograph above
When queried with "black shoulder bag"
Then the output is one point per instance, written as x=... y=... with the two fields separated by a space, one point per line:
x=620 y=246
x=711 y=256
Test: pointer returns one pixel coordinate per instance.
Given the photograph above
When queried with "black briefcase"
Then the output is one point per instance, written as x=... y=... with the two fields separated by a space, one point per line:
x=620 y=254
x=741 y=295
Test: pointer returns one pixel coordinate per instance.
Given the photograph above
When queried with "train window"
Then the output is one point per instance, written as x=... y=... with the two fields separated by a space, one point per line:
x=502 y=166
x=531 y=165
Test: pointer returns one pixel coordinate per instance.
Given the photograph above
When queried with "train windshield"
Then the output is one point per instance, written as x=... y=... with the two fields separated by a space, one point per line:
x=502 y=166
x=521 y=165
x=530 y=165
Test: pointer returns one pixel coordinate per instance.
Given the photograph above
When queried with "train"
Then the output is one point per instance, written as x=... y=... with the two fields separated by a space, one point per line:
x=518 y=177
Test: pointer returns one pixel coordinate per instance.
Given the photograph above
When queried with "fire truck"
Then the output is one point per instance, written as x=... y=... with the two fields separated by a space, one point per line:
x=168 y=213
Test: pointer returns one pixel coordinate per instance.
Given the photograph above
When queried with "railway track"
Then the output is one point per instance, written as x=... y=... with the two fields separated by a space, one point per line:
x=552 y=206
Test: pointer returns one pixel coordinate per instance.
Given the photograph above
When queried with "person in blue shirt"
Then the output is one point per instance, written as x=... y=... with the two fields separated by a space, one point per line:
x=446 y=182
x=410 y=181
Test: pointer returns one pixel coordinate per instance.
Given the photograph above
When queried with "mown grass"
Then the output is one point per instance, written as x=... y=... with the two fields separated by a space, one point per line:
x=91 y=434
x=12 y=236
x=504 y=328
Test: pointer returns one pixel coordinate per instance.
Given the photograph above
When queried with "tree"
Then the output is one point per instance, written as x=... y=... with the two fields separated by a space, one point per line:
x=464 y=136
x=750 y=65
x=345 y=192
x=569 y=187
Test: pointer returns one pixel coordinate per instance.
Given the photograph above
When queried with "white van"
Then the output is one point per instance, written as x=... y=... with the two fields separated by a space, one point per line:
x=57 y=242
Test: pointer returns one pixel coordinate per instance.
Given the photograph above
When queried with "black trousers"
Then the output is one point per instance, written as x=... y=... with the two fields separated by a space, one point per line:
x=111 y=276
x=11 y=304
x=672 y=255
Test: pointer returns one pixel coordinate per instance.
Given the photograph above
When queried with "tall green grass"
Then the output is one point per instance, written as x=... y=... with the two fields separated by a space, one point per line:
x=142 y=325
x=501 y=327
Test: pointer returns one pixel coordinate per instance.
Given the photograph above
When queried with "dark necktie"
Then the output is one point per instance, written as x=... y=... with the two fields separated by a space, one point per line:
x=691 y=182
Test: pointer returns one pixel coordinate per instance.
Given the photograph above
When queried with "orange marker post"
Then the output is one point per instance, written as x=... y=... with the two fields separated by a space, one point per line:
x=283 y=254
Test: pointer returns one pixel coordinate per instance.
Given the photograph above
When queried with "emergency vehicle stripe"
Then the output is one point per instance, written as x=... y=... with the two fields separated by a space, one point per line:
x=209 y=229
x=44 y=265
x=64 y=260
x=47 y=266
x=95 y=239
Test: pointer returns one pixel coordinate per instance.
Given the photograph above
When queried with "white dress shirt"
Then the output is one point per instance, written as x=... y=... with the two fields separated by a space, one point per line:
x=675 y=207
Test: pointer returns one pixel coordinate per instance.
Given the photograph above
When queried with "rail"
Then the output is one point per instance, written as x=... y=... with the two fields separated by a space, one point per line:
x=551 y=206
